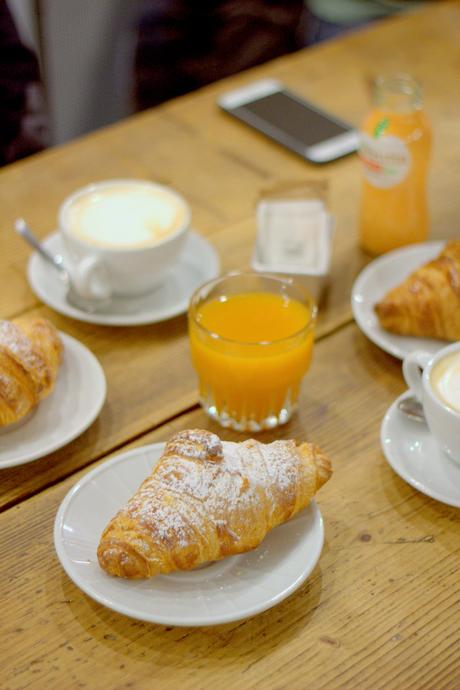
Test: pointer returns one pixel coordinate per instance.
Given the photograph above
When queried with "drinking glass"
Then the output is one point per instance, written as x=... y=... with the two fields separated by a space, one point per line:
x=251 y=340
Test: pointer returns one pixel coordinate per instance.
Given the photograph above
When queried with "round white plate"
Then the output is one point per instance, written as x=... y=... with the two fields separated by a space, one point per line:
x=373 y=283
x=227 y=590
x=70 y=408
x=414 y=454
x=197 y=263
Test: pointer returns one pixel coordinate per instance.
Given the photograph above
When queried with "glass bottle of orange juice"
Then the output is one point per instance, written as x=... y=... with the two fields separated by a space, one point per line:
x=395 y=151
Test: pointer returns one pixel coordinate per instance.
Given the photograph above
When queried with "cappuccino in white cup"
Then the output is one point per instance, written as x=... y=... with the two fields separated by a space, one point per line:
x=445 y=380
x=122 y=236
x=435 y=381
x=125 y=215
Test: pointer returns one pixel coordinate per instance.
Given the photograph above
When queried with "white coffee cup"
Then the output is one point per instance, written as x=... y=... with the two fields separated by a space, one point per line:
x=435 y=381
x=122 y=236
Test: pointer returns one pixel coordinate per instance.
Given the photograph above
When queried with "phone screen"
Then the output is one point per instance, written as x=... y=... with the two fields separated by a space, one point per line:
x=290 y=116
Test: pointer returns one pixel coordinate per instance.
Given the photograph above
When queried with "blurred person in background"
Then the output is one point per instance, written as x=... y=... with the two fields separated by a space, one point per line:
x=23 y=119
x=97 y=54
x=183 y=44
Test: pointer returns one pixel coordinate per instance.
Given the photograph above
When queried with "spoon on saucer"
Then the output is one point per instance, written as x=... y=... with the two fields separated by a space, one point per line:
x=411 y=407
x=56 y=261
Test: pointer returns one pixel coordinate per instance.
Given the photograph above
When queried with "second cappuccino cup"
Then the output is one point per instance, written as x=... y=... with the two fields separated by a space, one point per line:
x=435 y=381
x=122 y=236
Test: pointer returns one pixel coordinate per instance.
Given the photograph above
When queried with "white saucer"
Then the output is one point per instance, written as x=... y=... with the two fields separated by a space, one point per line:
x=414 y=454
x=197 y=263
x=374 y=282
x=236 y=587
x=71 y=407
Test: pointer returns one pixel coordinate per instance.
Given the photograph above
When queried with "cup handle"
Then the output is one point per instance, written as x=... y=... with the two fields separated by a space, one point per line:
x=413 y=366
x=91 y=278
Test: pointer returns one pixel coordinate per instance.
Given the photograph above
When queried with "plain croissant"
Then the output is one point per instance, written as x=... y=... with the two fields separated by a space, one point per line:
x=207 y=499
x=427 y=303
x=30 y=355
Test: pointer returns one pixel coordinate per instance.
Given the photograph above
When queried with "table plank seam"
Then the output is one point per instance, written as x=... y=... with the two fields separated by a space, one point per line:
x=11 y=504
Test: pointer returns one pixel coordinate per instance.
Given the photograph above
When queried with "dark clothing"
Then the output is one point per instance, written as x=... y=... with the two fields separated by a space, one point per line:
x=23 y=126
x=184 y=44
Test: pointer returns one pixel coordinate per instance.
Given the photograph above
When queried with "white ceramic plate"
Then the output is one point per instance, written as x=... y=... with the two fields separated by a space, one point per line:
x=197 y=263
x=374 y=282
x=414 y=454
x=236 y=587
x=71 y=407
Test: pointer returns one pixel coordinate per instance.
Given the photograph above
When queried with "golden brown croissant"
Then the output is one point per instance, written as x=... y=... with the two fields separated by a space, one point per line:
x=427 y=303
x=207 y=499
x=30 y=354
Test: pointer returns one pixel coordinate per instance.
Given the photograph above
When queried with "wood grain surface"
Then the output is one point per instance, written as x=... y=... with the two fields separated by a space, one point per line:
x=380 y=610
x=149 y=375
x=222 y=167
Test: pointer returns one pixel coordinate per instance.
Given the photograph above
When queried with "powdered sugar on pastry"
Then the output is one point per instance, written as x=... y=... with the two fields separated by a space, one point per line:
x=21 y=349
x=30 y=355
x=206 y=499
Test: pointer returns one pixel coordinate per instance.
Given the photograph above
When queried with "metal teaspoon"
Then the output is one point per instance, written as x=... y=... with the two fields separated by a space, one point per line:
x=411 y=407
x=57 y=262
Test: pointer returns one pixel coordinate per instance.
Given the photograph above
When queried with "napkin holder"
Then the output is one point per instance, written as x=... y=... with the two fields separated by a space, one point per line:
x=294 y=240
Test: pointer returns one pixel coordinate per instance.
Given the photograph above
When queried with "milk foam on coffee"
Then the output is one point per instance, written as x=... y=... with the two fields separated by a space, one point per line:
x=125 y=216
x=445 y=379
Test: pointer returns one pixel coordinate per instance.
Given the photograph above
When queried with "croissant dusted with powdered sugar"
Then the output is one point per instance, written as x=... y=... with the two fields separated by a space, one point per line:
x=427 y=303
x=206 y=499
x=30 y=355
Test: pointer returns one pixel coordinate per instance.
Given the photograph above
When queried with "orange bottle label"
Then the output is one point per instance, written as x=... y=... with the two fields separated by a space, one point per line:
x=386 y=160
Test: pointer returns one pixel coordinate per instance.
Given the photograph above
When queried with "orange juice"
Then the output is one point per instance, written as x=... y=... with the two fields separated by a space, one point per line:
x=250 y=351
x=395 y=151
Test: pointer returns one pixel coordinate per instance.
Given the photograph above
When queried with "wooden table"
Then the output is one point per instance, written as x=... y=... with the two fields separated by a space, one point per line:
x=382 y=608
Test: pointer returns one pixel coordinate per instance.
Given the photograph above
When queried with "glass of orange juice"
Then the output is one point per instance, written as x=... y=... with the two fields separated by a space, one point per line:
x=251 y=340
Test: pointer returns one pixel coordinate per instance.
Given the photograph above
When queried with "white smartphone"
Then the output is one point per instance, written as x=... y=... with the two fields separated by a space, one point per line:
x=291 y=121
